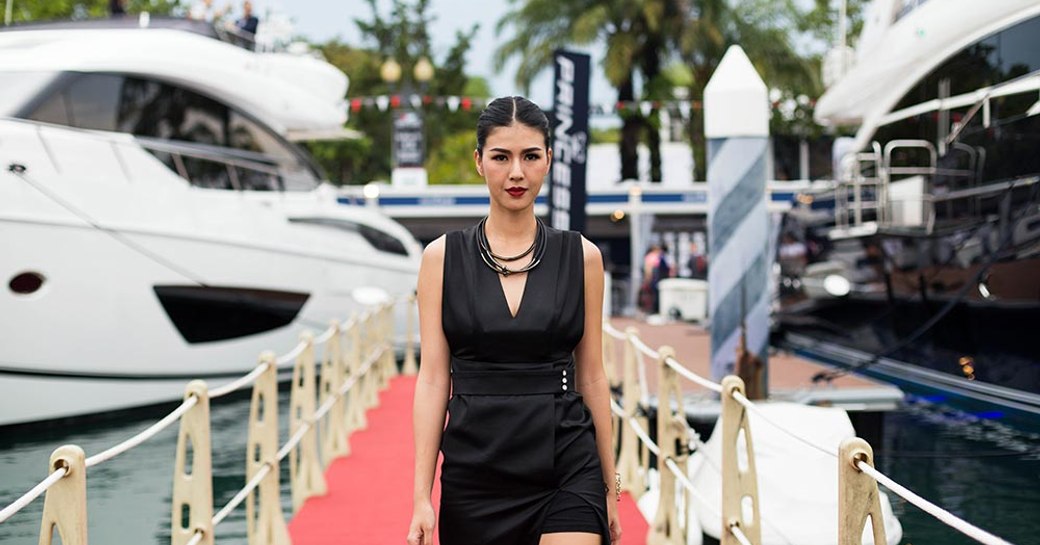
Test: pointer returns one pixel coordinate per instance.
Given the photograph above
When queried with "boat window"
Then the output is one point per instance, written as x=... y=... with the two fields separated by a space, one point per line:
x=167 y=112
x=255 y=180
x=159 y=110
x=246 y=134
x=998 y=57
x=207 y=174
x=90 y=101
x=1002 y=149
x=17 y=89
x=377 y=238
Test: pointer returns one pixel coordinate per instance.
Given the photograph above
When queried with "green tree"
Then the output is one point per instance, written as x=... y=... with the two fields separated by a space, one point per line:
x=763 y=28
x=42 y=10
x=402 y=36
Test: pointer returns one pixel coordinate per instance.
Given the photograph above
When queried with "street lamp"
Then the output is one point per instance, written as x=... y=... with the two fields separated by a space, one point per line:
x=390 y=71
x=423 y=71
x=407 y=149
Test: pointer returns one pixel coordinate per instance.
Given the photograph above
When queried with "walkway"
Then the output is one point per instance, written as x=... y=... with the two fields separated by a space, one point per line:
x=370 y=491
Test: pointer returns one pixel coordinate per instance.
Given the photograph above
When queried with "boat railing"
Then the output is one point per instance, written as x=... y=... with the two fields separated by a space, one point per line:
x=358 y=358
x=859 y=188
x=739 y=513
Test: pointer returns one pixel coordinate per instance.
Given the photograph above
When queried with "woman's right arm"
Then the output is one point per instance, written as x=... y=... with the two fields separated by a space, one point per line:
x=431 y=391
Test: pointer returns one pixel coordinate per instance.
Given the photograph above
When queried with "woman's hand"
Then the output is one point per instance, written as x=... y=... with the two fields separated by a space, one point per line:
x=613 y=520
x=420 y=532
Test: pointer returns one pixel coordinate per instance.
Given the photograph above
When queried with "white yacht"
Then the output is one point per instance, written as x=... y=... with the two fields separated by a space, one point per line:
x=157 y=225
x=932 y=234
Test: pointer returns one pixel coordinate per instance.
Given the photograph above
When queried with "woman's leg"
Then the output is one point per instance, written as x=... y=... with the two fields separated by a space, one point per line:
x=570 y=538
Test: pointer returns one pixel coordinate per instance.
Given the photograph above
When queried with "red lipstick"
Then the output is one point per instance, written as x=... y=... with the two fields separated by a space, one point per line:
x=516 y=191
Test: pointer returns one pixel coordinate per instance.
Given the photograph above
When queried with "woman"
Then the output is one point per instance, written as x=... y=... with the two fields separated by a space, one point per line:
x=510 y=315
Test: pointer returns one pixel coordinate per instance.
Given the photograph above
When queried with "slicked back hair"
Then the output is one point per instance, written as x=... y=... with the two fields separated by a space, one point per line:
x=504 y=111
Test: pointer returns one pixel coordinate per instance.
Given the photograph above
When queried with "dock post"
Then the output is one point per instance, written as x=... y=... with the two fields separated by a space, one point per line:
x=739 y=478
x=858 y=495
x=193 y=472
x=65 y=505
x=736 y=124
x=358 y=395
x=411 y=367
x=305 y=473
x=386 y=330
x=368 y=345
x=628 y=462
x=666 y=529
x=334 y=436
x=265 y=521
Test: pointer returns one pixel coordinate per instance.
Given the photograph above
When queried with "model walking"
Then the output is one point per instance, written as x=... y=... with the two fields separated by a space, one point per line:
x=510 y=315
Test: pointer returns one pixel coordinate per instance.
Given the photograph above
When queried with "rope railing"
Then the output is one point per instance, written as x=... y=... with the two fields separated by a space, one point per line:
x=858 y=498
x=939 y=513
x=343 y=371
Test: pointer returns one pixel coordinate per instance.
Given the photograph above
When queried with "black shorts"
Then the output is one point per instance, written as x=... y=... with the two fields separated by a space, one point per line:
x=570 y=513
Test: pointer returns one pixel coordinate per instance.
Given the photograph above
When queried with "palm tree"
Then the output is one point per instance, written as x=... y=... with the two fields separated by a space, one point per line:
x=641 y=34
x=762 y=28
x=633 y=31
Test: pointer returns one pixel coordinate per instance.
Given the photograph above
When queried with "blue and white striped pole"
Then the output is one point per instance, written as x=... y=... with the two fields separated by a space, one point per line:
x=736 y=124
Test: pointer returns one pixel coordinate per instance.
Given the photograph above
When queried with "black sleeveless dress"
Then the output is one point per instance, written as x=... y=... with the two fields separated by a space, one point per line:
x=519 y=448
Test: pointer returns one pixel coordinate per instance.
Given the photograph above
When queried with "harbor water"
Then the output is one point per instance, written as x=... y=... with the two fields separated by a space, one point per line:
x=983 y=472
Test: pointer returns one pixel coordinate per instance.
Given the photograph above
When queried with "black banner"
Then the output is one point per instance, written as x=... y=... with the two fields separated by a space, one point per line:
x=570 y=140
x=408 y=139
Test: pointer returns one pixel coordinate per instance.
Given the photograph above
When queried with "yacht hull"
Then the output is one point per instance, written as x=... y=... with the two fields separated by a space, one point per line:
x=96 y=336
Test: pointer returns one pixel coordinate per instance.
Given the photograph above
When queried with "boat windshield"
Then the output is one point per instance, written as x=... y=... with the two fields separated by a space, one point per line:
x=18 y=88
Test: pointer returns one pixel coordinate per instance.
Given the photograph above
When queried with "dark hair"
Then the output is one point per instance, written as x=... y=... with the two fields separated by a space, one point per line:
x=504 y=111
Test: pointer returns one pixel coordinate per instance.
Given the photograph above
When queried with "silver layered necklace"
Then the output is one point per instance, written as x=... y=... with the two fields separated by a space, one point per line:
x=496 y=262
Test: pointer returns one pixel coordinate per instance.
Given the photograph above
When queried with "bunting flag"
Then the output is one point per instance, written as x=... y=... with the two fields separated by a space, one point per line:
x=454 y=103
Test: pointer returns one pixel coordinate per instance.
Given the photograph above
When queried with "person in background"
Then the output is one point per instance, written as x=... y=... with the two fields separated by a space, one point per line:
x=205 y=11
x=248 y=22
x=116 y=8
x=697 y=263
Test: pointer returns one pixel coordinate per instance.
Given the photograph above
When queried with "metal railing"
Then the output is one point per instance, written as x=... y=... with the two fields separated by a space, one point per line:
x=357 y=358
x=858 y=479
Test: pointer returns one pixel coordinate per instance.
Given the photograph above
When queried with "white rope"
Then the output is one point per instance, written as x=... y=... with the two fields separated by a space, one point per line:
x=196 y=538
x=33 y=493
x=325 y=335
x=690 y=375
x=292 y=355
x=739 y=534
x=241 y=382
x=640 y=432
x=298 y=436
x=642 y=347
x=939 y=513
x=609 y=330
x=241 y=496
x=749 y=405
x=144 y=435
x=294 y=440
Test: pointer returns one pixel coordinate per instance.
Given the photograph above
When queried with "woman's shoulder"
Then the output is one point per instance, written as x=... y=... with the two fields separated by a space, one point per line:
x=434 y=251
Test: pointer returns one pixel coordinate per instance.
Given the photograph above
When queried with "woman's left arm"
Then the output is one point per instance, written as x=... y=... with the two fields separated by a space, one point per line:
x=592 y=379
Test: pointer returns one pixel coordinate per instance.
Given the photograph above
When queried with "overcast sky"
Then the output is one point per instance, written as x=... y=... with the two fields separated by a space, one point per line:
x=320 y=20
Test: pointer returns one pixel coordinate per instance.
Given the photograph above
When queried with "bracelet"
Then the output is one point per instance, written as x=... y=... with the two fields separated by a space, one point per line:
x=617 y=486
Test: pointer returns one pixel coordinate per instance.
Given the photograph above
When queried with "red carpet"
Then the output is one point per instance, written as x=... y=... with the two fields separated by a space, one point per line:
x=370 y=492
